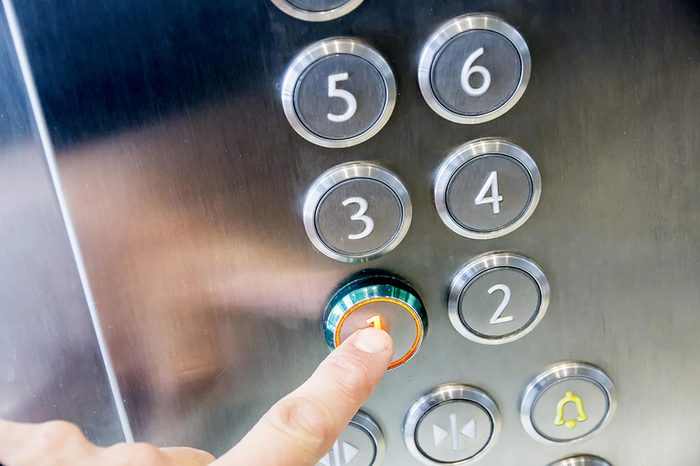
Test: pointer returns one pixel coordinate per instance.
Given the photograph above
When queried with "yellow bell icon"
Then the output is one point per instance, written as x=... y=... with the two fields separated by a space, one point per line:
x=570 y=423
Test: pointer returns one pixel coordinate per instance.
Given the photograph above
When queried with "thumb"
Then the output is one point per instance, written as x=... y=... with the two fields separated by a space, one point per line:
x=302 y=427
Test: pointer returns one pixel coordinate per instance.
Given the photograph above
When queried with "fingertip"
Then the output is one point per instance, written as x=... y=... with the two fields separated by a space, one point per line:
x=188 y=456
x=372 y=340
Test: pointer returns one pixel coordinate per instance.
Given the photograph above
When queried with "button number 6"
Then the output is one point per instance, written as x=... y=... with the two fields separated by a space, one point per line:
x=468 y=70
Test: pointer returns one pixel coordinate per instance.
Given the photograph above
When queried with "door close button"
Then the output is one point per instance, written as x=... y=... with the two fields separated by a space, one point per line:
x=453 y=424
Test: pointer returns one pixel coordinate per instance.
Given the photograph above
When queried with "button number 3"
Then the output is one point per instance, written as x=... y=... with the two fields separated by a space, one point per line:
x=497 y=317
x=360 y=215
x=349 y=99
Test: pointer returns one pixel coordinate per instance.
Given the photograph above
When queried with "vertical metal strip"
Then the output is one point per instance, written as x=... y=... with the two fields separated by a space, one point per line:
x=51 y=163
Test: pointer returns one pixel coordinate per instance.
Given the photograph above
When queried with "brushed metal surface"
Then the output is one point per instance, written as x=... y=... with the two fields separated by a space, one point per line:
x=187 y=184
x=50 y=362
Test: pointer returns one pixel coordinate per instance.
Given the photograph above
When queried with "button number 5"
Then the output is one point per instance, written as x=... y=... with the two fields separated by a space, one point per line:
x=349 y=99
x=360 y=215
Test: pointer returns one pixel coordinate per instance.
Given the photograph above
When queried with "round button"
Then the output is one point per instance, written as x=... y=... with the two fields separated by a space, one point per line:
x=317 y=10
x=357 y=211
x=360 y=444
x=474 y=68
x=338 y=92
x=585 y=460
x=498 y=298
x=568 y=402
x=487 y=188
x=381 y=301
x=453 y=424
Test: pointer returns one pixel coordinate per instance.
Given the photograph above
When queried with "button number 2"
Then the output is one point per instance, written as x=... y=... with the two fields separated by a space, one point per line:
x=349 y=99
x=360 y=215
x=497 y=317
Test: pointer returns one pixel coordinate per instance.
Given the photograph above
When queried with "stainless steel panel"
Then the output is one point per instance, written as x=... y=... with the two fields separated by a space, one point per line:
x=51 y=366
x=187 y=182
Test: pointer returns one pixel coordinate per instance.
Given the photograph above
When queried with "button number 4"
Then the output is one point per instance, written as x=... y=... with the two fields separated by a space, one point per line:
x=495 y=199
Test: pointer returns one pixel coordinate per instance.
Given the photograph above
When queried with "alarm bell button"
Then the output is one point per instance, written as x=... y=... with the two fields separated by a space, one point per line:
x=380 y=301
x=568 y=402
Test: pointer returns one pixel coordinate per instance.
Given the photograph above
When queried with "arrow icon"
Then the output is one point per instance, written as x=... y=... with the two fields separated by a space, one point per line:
x=349 y=452
x=469 y=430
x=439 y=434
x=332 y=458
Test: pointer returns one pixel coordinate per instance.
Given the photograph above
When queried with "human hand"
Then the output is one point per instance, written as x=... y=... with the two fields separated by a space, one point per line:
x=296 y=431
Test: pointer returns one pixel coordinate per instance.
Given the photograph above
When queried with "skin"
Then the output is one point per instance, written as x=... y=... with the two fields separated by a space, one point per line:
x=297 y=431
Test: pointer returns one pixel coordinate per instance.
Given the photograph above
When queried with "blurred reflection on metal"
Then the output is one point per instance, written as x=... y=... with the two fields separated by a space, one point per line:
x=50 y=361
x=185 y=182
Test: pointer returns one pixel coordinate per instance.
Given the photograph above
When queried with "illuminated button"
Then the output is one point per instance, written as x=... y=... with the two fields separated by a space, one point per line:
x=568 y=402
x=317 y=10
x=498 y=298
x=357 y=211
x=453 y=424
x=380 y=301
x=360 y=444
x=338 y=92
x=474 y=68
x=585 y=460
x=487 y=188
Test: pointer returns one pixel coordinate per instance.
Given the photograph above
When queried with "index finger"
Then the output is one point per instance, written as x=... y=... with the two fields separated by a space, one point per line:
x=13 y=434
x=302 y=427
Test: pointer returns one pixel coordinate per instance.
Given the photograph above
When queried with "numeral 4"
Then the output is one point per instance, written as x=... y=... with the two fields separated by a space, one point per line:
x=491 y=184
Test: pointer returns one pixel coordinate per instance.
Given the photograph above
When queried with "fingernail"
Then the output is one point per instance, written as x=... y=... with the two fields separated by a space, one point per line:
x=372 y=340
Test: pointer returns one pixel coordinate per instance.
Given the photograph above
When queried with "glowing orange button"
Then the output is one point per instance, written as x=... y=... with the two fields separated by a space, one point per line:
x=389 y=314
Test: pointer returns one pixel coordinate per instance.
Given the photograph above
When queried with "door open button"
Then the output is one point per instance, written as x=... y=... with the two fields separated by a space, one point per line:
x=360 y=444
x=379 y=301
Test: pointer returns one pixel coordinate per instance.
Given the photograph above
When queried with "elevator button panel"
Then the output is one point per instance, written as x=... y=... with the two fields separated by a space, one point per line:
x=317 y=10
x=585 y=460
x=338 y=92
x=357 y=211
x=453 y=424
x=568 y=402
x=381 y=301
x=474 y=68
x=360 y=444
x=487 y=188
x=497 y=298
